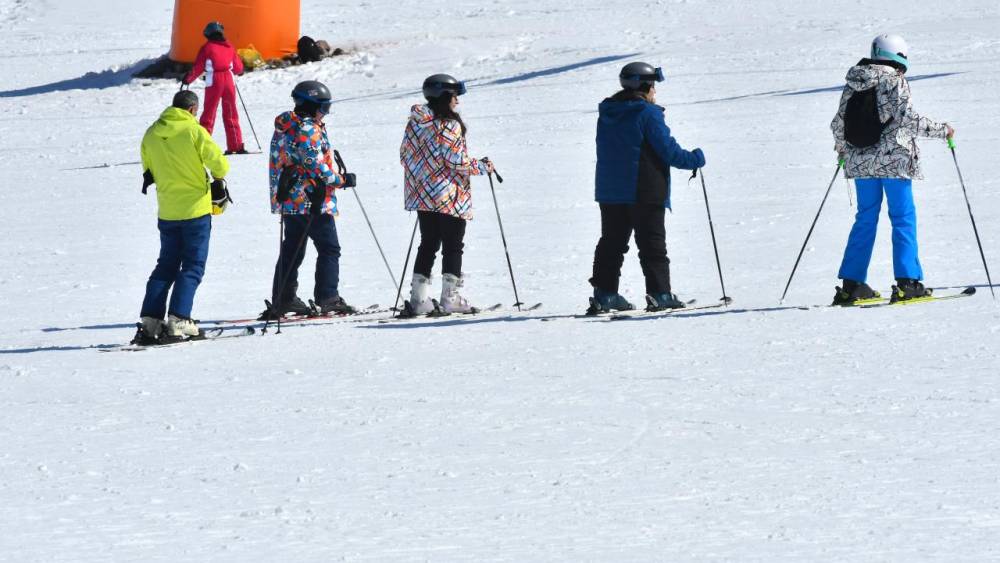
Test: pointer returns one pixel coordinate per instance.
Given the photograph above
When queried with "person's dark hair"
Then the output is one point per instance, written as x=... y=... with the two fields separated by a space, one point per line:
x=441 y=108
x=630 y=95
x=217 y=36
x=185 y=99
x=305 y=108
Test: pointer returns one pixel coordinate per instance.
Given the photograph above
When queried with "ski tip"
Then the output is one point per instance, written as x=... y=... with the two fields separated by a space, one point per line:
x=969 y=291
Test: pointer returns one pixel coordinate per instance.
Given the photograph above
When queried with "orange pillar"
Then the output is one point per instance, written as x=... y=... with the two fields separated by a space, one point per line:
x=272 y=26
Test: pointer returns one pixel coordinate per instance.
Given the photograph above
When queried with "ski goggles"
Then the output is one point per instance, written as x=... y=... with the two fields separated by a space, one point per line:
x=456 y=89
x=323 y=105
x=897 y=57
x=657 y=76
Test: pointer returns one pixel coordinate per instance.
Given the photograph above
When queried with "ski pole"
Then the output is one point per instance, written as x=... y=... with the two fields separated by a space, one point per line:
x=286 y=273
x=951 y=145
x=517 y=301
x=343 y=170
x=711 y=227
x=406 y=264
x=840 y=165
x=250 y=121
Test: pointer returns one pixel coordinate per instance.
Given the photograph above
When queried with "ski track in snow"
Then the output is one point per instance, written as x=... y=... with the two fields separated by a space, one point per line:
x=758 y=432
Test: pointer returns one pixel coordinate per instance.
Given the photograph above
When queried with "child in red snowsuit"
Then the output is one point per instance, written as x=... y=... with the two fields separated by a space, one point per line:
x=219 y=61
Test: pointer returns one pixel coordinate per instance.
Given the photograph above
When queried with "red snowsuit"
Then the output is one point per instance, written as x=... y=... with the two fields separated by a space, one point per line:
x=219 y=61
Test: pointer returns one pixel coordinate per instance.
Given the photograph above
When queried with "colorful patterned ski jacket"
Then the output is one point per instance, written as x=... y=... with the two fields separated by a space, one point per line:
x=437 y=166
x=177 y=150
x=896 y=154
x=213 y=57
x=302 y=143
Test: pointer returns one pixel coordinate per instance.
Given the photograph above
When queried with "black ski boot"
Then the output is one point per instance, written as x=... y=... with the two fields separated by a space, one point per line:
x=852 y=292
x=906 y=289
x=607 y=301
x=663 y=301
x=335 y=306
x=148 y=332
x=294 y=306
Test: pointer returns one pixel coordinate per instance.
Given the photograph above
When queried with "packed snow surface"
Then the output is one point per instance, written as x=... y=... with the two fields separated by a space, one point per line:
x=758 y=432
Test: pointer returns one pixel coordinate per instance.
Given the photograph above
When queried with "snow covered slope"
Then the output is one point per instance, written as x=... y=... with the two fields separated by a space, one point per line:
x=755 y=433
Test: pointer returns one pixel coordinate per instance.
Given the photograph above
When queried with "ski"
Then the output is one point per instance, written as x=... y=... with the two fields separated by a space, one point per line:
x=967 y=292
x=645 y=314
x=437 y=315
x=211 y=334
x=296 y=319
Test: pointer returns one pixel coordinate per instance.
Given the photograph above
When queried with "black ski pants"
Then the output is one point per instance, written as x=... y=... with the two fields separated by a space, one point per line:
x=444 y=232
x=617 y=225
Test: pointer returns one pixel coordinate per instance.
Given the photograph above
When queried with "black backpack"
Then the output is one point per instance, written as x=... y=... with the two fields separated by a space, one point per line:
x=862 y=127
x=309 y=52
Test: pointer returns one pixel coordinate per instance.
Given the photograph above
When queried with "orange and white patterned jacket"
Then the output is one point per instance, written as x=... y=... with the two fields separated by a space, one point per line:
x=437 y=165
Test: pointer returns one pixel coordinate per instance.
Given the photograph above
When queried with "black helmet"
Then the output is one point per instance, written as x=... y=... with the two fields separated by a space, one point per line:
x=638 y=76
x=438 y=84
x=212 y=28
x=312 y=94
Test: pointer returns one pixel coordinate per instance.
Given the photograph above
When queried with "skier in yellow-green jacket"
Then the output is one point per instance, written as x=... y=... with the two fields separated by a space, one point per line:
x=188 y=168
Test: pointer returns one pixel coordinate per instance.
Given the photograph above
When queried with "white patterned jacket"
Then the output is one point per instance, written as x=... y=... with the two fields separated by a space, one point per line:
x=896 y=154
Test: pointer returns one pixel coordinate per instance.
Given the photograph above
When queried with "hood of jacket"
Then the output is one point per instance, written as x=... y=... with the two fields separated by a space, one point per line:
x=867 y=74
x=172 y=122
x=421 y=116
x=286 y=121
x=623 y=106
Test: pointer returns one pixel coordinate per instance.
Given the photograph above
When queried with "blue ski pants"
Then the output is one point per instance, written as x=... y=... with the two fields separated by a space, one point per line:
x=181 y=265
x=902 y=215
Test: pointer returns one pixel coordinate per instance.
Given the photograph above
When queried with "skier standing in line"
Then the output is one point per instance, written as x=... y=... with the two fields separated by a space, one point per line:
x=634 y=154
x=302 y=183
x=437 y=170
x=875 y=133
x=176 y=150
x=219 y=61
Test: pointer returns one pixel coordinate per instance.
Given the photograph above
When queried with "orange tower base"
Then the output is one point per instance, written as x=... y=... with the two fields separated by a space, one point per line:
x=272 y=26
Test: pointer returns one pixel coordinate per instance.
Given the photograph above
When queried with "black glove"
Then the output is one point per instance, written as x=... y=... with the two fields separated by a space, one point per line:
x=220 y=197
x=350 y=180
x=147 y=180
x=286 y=181
x=317 y=197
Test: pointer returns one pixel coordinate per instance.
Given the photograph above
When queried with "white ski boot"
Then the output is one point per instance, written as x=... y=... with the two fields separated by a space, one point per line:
x=179 y=328
x=451 y=300
x=420 y=302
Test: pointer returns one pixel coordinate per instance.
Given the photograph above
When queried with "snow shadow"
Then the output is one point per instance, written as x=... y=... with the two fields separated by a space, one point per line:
x=399 y=95
x=556 y=70
x=803 y=92
x=91 y=81
x=59 y=348
x=89 y=327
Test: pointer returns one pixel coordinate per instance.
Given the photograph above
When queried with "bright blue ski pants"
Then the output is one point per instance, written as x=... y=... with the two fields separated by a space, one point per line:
x=902 y=215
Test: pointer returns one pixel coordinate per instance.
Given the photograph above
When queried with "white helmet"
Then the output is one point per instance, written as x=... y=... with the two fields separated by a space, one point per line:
x=890 y=48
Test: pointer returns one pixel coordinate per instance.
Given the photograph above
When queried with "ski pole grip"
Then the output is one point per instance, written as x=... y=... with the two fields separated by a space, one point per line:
x=951 y=143
x=841 y=163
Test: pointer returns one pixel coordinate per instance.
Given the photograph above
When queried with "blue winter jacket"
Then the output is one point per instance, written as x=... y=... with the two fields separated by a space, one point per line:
x=635 y=152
